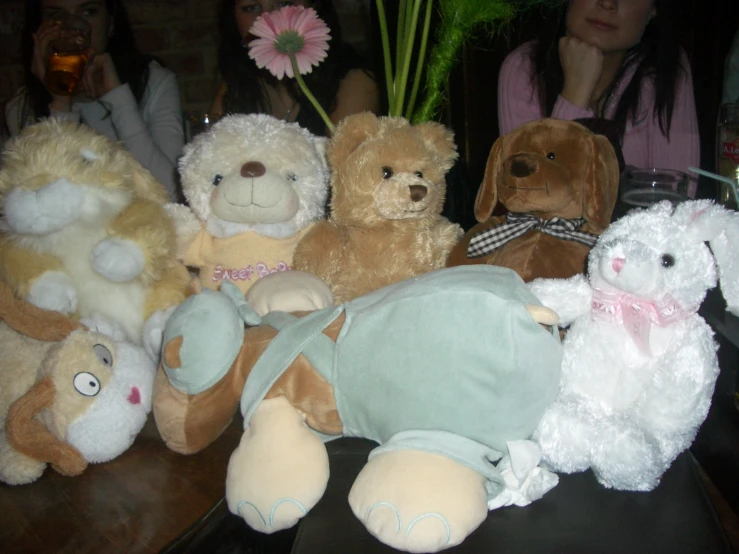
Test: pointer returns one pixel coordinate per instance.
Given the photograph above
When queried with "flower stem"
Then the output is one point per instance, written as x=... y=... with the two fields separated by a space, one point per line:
x=386 y=53
x=421 y=60
x=308 y=95
x=403 y=72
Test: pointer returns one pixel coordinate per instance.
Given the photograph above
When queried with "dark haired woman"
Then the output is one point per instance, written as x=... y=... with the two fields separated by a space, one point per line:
x=124 y=95
x=614 y=59
x=340 y=83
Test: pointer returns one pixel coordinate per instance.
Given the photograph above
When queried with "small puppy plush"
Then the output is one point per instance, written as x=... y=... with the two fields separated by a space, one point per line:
x=559 y=183
x=255 y=185
x=84 y=230
x=388 y=188
x=70 y=396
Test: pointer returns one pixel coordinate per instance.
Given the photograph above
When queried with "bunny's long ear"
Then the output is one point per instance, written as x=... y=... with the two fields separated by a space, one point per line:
x=28 y=435
x=487 y=194
x=720 y=228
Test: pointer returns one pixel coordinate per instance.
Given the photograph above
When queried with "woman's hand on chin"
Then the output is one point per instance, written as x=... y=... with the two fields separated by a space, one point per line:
x=582 y=65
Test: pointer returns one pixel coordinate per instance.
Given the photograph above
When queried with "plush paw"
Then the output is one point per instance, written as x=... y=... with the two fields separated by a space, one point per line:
x=54 y=291
x=279 y=471
x=565 y=440
x=187 y=226
x=17 y=468
x=153 y=332
x=98 y=323
x=289 y=291
x=626 y=459
x=118 y=260
x=418 y=501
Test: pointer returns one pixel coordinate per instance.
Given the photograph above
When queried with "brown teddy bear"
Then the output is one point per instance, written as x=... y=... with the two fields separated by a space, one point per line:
x=388 y=188
x=559 y=183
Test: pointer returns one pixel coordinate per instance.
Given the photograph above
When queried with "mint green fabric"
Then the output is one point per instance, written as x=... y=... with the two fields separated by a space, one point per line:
x=452 y=352
x=213 y=333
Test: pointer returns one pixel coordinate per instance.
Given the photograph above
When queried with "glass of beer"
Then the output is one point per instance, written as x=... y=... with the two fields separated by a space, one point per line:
x=68 y=55
x=727 y=151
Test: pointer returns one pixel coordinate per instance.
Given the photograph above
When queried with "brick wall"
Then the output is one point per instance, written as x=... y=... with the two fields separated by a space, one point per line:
x=181 y=33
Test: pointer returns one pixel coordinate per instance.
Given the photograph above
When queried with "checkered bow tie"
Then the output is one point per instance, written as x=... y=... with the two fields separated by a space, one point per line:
x=488 y=241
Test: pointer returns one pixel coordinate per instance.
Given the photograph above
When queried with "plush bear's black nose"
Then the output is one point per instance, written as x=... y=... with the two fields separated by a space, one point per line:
x=252 y=169
x=418 y=192
x=521 y=166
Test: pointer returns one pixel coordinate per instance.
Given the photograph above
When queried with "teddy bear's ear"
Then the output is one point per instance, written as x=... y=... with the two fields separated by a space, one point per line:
x=351 y=131
x=601 y=183
x=487 y=194
x=441 y=140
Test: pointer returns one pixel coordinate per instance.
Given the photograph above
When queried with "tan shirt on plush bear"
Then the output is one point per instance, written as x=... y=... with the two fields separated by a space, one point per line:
x=242 y=259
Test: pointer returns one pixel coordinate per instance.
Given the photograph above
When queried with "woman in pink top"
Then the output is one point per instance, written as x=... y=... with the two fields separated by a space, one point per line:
x=613 y=59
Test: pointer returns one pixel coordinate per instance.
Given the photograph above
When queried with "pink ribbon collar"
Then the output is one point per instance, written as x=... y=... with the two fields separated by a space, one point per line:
x=636 y=314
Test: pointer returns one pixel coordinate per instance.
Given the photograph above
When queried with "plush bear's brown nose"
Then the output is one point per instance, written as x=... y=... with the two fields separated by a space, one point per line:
x=418 y=192
x=252 y=169
x=521 y=166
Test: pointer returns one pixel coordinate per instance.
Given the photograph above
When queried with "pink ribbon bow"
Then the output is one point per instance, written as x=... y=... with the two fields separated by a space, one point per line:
x=636 y=314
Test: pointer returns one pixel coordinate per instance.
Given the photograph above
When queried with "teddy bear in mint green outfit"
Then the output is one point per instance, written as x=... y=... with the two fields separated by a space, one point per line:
x=442 y=370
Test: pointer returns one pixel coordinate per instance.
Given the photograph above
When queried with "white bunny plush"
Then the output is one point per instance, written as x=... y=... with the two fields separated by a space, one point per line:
x=639 y=363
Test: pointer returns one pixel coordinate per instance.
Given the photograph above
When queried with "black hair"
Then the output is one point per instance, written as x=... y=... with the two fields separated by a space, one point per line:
x=242 y=77
x=655 y=57
x=131 y=65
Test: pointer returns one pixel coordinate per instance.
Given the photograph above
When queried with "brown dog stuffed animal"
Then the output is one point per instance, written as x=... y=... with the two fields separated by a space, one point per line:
x=388 y=187
x=559 y=183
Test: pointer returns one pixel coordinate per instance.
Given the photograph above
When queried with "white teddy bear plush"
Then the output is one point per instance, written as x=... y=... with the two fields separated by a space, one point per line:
x=255 y=184
x=639 y=363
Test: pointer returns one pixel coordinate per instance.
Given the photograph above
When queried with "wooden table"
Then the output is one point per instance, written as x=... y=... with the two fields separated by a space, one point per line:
x=139 y=502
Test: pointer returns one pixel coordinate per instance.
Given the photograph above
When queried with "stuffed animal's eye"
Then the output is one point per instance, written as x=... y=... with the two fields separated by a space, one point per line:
x=86 y=383
x=103 y=354
x=418 y=174
x=667 y=260
x=217 y=179
x=292 y=177
x=550 y=155
x=387 y=172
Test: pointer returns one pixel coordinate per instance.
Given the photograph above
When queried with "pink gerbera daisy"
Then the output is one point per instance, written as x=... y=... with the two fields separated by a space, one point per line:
x=291 y=30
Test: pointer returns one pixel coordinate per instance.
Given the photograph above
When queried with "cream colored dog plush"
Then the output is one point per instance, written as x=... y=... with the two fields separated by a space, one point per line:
x=69 y=396
x=255 y=185
x=84 y=230
x=388 y=188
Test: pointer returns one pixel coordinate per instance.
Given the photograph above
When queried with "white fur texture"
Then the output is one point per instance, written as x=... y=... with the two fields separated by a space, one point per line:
x=43 y=211
x=110 y=426
x=54 y=291
x=118 y=260
x=288 y=196
x=623 y=411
